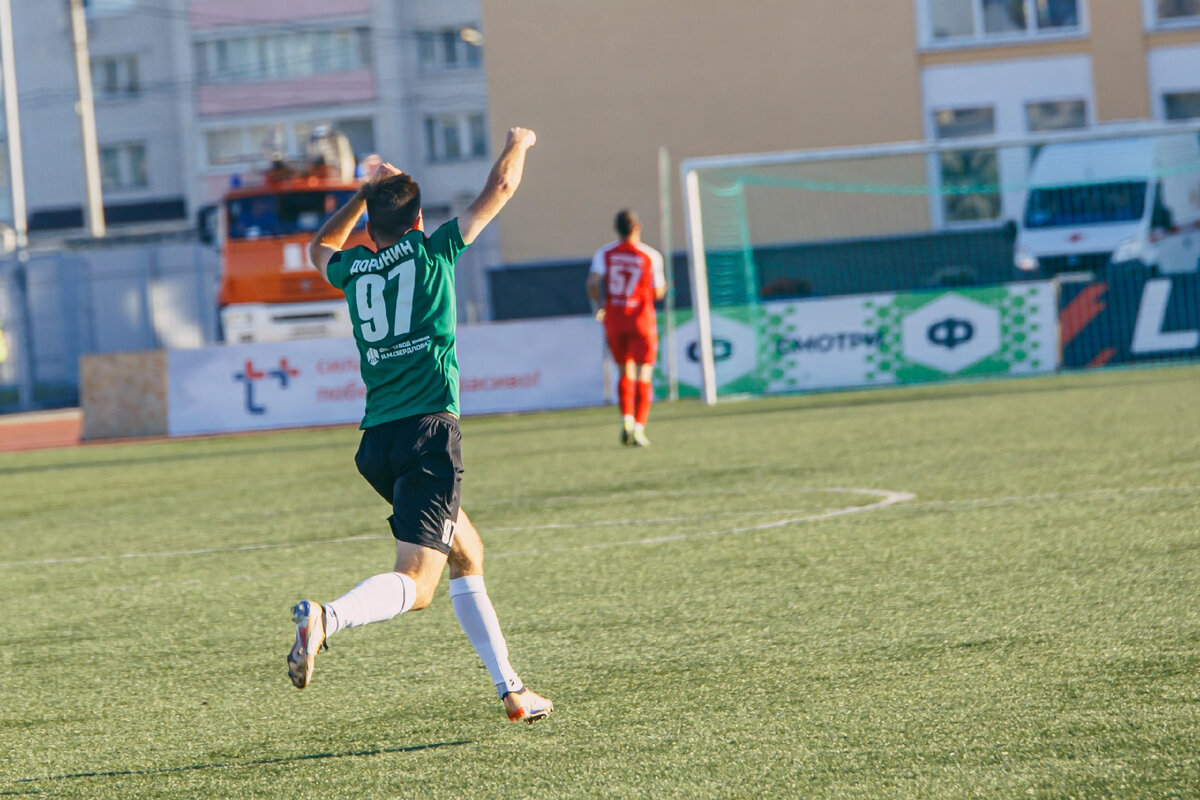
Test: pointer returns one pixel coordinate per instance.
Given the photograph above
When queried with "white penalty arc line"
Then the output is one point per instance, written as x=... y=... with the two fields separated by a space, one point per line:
x=887 y=498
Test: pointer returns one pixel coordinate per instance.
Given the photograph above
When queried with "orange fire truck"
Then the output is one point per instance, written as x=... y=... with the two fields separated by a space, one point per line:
x=269 y=290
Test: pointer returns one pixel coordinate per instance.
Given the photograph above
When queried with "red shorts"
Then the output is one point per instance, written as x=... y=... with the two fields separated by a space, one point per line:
x=635 y=346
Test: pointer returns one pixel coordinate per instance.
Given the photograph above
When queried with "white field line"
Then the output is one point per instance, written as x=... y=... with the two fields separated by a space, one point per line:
x=888 y=498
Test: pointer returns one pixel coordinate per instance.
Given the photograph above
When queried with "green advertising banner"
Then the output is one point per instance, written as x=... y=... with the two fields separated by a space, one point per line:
x=865 y=340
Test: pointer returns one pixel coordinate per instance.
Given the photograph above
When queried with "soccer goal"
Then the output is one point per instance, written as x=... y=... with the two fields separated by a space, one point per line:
x=961 y=257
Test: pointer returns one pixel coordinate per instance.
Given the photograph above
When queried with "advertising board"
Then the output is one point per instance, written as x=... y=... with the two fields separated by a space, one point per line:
x=514 y=366
x=876 y=339
x=1130 y=319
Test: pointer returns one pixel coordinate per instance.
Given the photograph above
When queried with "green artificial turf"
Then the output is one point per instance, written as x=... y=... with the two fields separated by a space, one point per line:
x=707 y=619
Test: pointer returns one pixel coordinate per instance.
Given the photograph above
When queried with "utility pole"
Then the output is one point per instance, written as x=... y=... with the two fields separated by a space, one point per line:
x=16 y=160
x=94 y=208
x=16 y=176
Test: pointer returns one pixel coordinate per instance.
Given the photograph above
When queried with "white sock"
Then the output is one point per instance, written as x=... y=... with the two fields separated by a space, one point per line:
x=627 y=421
x=478 y=619
x=376 y=599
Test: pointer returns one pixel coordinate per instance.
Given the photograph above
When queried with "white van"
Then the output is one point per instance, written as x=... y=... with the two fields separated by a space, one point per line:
x=1112 y=205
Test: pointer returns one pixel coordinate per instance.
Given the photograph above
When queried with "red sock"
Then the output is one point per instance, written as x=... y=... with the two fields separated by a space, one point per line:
x=625 y=395
x=645 y=394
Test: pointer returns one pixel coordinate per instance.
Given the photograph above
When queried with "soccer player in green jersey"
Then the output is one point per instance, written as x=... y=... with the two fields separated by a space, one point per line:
x=402 y=306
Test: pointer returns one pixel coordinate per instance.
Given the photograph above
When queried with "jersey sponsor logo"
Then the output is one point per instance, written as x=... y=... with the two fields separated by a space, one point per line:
x=249 y=376
x=375 y=355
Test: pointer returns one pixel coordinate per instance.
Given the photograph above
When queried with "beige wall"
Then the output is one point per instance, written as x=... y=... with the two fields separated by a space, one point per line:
x=606 y=84
x=1119 y=60
x=123 y=394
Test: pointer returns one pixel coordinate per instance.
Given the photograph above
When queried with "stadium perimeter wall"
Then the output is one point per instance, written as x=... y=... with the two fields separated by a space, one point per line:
x=505 y=367
x=887 y=339
x=878 y=339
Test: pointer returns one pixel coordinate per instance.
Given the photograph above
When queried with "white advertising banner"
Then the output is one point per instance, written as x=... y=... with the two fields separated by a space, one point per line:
x=531 y=365
x=257 y=386
x=821 y=344
x=512 y=366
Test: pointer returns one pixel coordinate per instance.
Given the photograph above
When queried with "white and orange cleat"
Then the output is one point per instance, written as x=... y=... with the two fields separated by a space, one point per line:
x=310 y=638
x=526 y=706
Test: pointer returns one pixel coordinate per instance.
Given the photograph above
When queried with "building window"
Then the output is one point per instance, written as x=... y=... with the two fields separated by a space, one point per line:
x=1177 y=11
x=479 y=137
x=281 y=55
x=456 y=137
x=257 y=143
x=240 y=145
x=123 y=166
x=962 y=170
x=115 y=77
x=1182 y=105
x=100 y=7
x=965 y=21
x=449 y=49
x=1056 y=115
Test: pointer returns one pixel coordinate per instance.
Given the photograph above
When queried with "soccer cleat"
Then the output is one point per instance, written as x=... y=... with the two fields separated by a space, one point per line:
x=526 y=706
x=626 y=433
x=310 y=638
x=639 y=439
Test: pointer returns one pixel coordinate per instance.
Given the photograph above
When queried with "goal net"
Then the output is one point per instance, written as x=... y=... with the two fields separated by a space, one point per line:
x=941 y=260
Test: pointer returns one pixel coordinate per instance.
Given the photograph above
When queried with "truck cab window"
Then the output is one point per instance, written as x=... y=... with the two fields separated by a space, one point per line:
x=283 y=214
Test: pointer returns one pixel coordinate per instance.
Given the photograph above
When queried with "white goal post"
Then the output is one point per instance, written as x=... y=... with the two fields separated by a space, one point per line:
x=891 y=195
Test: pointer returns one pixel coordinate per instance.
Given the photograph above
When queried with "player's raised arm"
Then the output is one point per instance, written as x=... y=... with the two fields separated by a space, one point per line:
x=333 y=234
x=502 y=183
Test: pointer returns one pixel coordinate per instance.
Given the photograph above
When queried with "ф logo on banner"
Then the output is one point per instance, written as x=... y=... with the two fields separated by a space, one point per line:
x=950 y=332
x=735 y=351
x=250 y=376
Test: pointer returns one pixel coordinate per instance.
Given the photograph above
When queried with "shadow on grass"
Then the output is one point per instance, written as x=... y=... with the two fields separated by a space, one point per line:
x=258 y=762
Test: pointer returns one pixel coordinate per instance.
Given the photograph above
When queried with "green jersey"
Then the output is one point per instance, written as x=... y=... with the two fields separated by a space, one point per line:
x=402 y=307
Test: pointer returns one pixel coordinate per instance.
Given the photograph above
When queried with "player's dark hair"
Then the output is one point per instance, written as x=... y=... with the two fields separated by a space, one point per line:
x=626 y=222
x=393 y=204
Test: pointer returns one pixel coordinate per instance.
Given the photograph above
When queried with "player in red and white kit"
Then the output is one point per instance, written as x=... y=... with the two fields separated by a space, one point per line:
x=627 y=277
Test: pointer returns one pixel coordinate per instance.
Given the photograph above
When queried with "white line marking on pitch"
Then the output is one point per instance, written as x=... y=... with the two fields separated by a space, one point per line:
x=888 y=498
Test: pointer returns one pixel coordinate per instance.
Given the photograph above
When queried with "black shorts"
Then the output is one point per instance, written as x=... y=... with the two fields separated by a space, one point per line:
x=415 y=463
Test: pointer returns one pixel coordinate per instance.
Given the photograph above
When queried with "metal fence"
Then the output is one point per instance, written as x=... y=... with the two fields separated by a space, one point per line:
x=58 y=306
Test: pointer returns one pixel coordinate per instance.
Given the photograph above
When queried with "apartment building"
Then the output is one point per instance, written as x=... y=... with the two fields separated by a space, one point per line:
x=192 y=95
x=136 y=105
x=606 y=85
x=404 y=79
